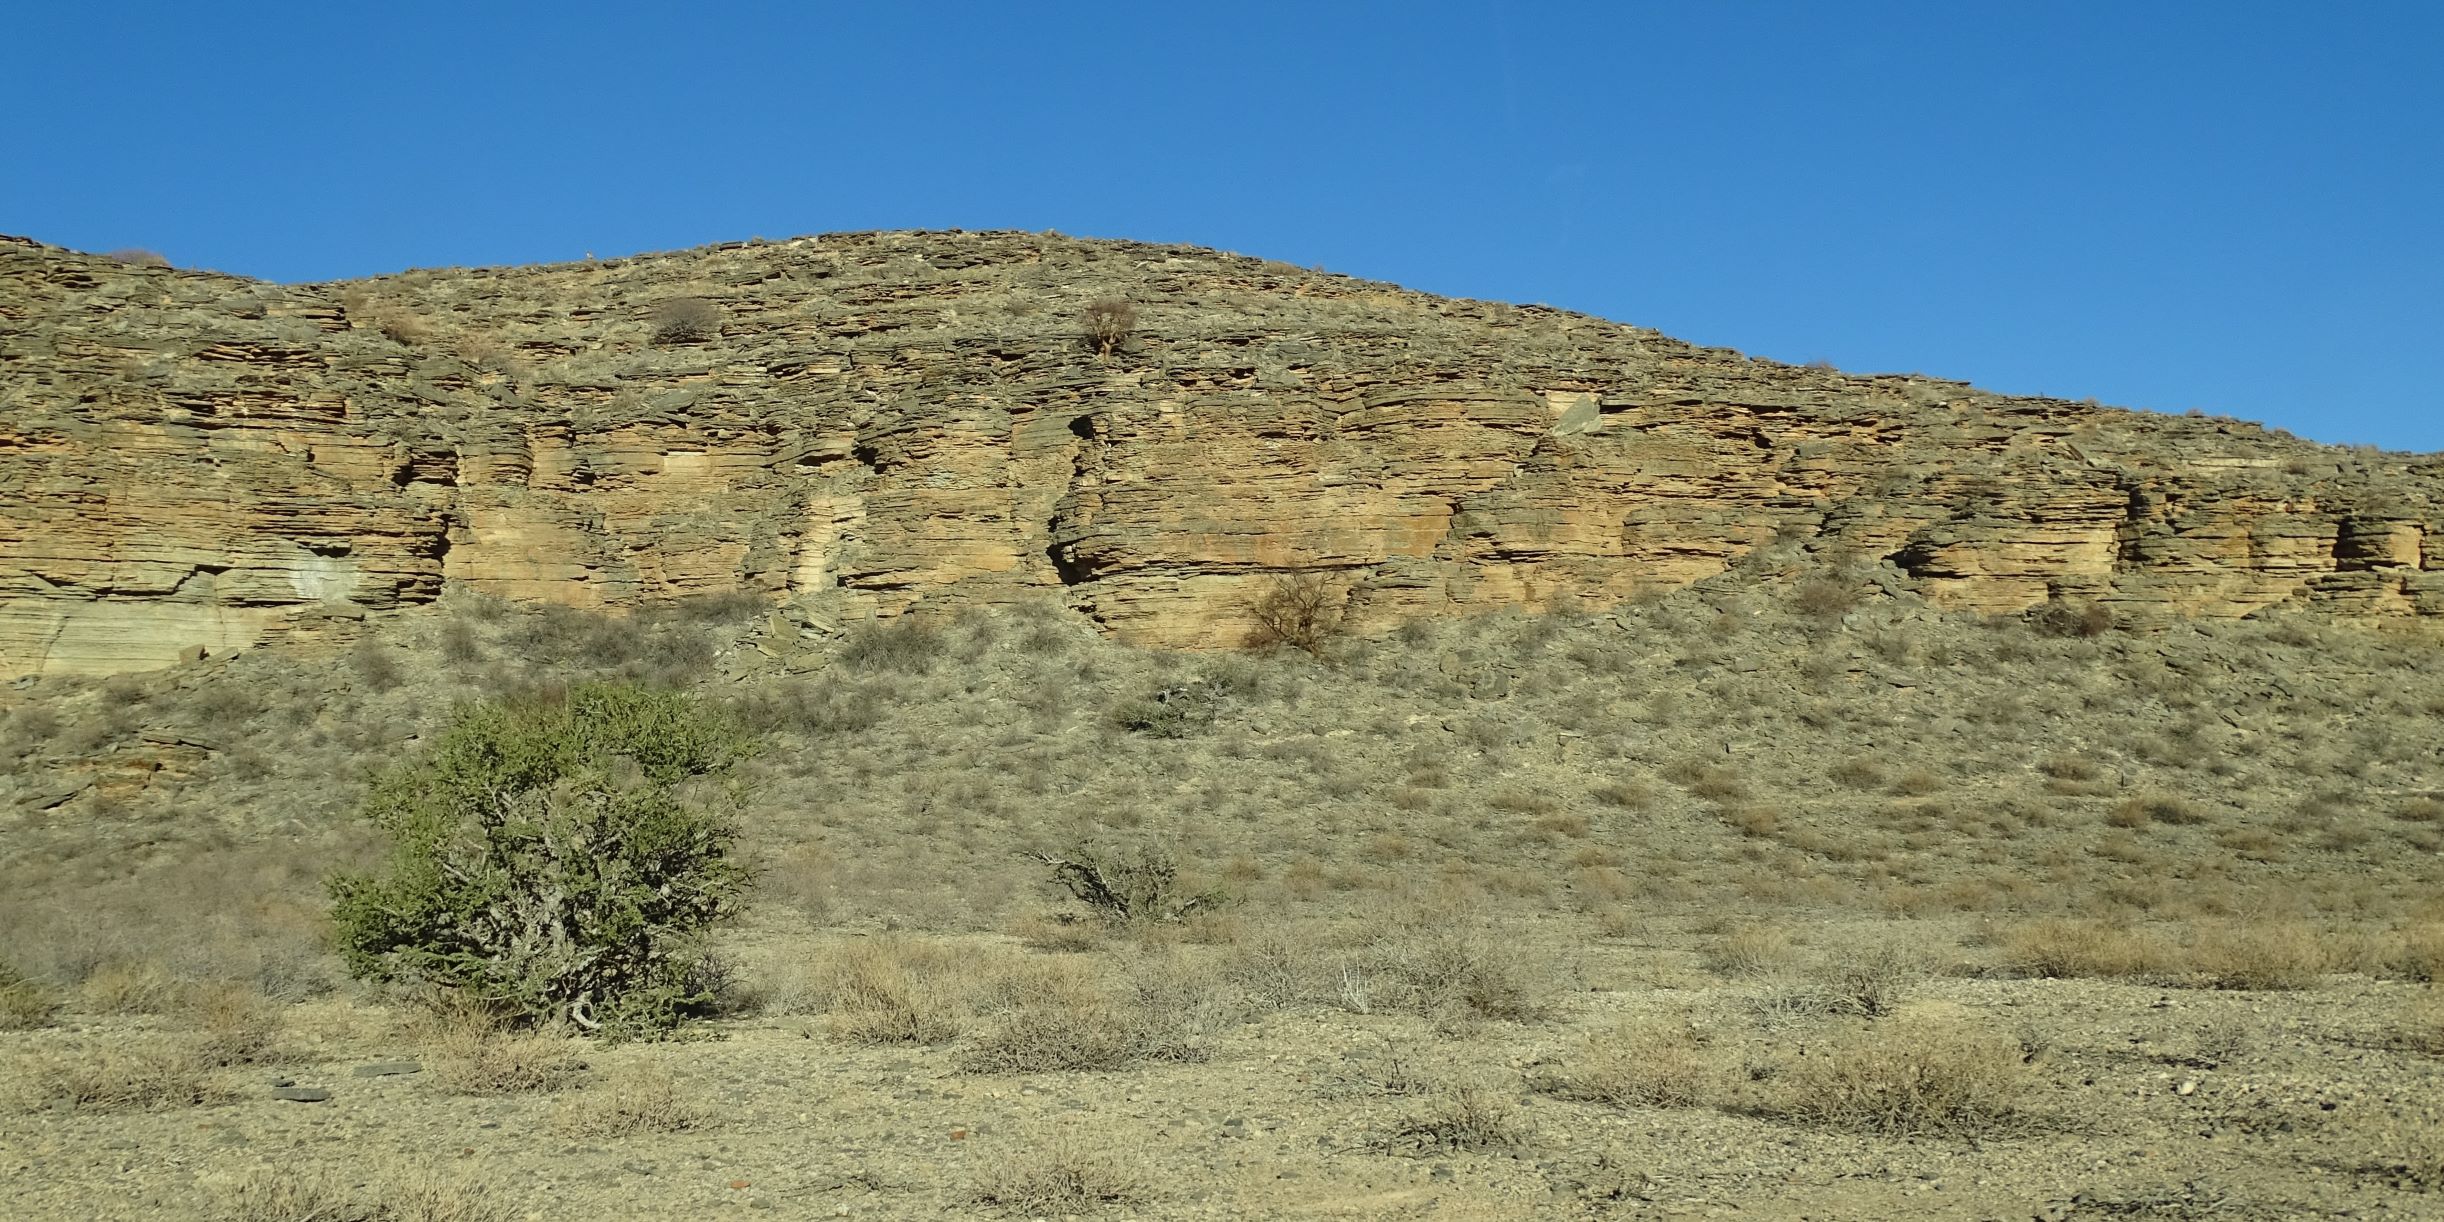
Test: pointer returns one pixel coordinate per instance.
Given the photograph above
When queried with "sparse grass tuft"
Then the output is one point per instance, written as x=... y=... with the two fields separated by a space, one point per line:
x=2063 y=949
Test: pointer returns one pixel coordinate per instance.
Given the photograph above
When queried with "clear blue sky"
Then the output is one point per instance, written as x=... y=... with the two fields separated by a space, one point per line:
x=2230 y=205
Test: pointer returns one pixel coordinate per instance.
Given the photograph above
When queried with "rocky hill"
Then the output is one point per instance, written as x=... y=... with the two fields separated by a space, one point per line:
x=861 y=425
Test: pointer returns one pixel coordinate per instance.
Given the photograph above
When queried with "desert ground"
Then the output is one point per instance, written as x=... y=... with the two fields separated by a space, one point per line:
x=1781 y=895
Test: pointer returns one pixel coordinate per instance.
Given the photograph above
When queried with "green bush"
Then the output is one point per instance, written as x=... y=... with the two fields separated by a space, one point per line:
x=542 y=865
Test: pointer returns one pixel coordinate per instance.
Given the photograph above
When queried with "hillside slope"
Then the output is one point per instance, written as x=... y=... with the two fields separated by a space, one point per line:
x=885 y=421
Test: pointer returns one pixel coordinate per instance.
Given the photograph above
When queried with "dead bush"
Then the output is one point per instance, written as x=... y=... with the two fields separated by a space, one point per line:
x=1107 y=324
x=1127 y=884
x=1452 y=969
x=2156 y=808
x=1299 y=610
x=1906 y=1078
x=685 y=320
x=1653 y=1064
x=1059 y=1177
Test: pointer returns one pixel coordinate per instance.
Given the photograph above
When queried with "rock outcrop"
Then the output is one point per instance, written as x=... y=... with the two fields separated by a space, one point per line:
x=886 y=422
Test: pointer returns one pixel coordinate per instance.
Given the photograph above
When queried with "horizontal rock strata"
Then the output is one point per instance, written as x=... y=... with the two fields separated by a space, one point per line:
x=890 y=422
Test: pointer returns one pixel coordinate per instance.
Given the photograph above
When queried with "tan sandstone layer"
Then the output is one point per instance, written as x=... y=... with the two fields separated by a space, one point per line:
x=887 y=422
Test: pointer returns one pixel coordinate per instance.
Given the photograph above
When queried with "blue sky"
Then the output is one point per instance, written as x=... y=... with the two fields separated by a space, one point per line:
x=2232 y=206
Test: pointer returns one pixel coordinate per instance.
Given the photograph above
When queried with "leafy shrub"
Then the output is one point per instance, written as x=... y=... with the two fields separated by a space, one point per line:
x=1108 y=323
x=685 y=320
x=541 y=865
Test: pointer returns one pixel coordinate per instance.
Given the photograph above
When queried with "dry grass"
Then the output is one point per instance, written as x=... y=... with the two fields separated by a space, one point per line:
x=472 y=1054
x=148 y=1076
x=25 y=1003
x=1464 y=1117
x=633 y=1099
x=1653 y=1064
x=895 y=990
x=1909 y=1077
x=1058 y=1177
x=1748 y=950
x=2258 y=956
x=1061 y=1019
x=2060 y=948
x=390 y=1194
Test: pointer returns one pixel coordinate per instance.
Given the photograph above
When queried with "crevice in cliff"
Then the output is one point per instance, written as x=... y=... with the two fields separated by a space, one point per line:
x=1067 y=567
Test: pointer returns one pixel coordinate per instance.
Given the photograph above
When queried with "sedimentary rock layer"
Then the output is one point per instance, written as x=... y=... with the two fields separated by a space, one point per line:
x=889 y=422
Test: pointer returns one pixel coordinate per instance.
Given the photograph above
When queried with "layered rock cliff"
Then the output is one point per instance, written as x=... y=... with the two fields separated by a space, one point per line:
x=883 y=422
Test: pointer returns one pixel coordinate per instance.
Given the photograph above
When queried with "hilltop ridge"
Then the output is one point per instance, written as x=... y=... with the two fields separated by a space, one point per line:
x=874 y=424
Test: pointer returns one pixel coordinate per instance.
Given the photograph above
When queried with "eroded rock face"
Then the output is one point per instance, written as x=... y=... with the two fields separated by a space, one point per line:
x=887 y=422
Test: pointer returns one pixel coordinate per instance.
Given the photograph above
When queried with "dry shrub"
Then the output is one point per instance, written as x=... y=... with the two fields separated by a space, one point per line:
x=471 y=1053
x=1712 y=781
x=1300 y=610
x=1454 y=968
x=2421 y=953
x=2258 y=956
x=2156 y=808
x=1628 y=795
x=2419 y=1026
x=685 y=320
x=1463 y=1117
x=25 y=1003
x=1060 y=932
x=895 y=990
x=1872 y=981
x=1107 y=324
x=127 y=1077
x=2062 y=949
x=235 y=1025
x=393 y=1194
x=1055 y=1019
x=137 y=256
x=1825 y=597
x=130 y=986
x=1059 y=1177
x=1749 y=950
x=633 y=1099
x=1911 y=1076
x=1655 y=1064
x=2066 y=618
